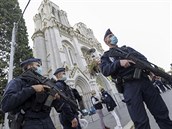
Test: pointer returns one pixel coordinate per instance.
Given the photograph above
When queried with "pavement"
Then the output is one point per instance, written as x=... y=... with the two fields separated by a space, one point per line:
x=121 y=110
x=167 y=99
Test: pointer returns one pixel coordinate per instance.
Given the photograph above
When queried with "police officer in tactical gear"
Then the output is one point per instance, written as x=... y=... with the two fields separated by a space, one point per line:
x=136 y=90
x=69 y=121
x=24 y=99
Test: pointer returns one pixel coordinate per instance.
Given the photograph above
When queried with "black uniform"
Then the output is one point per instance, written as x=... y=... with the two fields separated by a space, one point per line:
x=108 y=100
x=20 y=95
x=76 y=95
x=65 y=119
x=136 y=91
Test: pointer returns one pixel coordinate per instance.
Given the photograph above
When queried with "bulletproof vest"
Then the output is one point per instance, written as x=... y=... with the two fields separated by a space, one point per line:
x=68 y=92
x=131 y=72
x=121 y=72
x=36 y=101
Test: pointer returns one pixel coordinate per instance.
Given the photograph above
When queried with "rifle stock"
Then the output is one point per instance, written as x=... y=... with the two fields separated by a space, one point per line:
x=144 y=65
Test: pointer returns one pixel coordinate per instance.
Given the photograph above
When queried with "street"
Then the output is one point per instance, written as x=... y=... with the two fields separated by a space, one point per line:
x=167 y=96
x=122 y=112
x=94 y=122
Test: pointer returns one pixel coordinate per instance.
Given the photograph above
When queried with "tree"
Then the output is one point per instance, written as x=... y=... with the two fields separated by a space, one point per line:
x=10 y=12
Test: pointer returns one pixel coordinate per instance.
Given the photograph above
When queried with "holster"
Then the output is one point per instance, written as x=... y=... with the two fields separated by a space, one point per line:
x=15 y=120
x=119 y=84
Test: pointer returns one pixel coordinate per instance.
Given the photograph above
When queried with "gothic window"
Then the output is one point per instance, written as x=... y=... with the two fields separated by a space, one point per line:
x=48 y=63
x=66 y=54
x=69 y=52
x=53 y=11
x=42 y=11
x=72 y=57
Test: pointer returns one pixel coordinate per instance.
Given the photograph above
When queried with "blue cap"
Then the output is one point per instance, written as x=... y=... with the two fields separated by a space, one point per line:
x=108 y=32
x=28 y=61
x=59 y=70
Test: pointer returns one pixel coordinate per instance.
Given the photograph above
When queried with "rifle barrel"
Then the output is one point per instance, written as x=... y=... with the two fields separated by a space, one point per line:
x=145 y=65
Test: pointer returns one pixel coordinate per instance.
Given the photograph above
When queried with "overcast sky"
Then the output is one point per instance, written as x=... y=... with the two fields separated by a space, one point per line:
x=144 y=25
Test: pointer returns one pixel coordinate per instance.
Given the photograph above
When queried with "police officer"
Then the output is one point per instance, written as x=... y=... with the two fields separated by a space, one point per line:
x=135 y=90
x=26 y=97
x=110 y=105
x=69 y=121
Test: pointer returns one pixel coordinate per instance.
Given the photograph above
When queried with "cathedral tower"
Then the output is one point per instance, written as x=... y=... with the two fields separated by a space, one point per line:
x=60 y=45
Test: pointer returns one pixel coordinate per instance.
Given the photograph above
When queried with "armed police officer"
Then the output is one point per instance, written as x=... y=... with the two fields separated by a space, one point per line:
x=136 y=89
x=24 y=99
x=69 y=121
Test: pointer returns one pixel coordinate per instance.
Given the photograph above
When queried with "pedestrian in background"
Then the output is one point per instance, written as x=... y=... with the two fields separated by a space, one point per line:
x=110 y=105
x=98 y=106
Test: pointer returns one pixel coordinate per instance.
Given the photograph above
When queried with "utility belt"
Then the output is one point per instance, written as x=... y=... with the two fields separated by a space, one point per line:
x=17 y=120
x=36 y=115
x=32 y=109
x=119 y=81
x=138 y=74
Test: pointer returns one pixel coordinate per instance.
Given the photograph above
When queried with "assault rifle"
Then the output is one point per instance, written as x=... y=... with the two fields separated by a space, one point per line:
x=39 y=79
x=141 y=64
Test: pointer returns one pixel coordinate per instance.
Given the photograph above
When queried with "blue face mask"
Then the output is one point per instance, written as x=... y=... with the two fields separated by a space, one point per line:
x=39 y=70
x=64 y=78
x=114 y=40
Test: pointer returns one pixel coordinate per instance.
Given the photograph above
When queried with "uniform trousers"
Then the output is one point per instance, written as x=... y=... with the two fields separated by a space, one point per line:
x=45 y=123
x=138 y=92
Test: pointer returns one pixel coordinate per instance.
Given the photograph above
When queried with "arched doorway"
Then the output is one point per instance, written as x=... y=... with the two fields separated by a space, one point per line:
x=82 y=85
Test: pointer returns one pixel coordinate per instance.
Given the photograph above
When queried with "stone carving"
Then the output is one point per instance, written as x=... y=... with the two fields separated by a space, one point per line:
x=81 y=28
x=37 y=22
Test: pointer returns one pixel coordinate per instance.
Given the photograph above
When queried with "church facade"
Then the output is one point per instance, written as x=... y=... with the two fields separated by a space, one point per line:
x=59 y=44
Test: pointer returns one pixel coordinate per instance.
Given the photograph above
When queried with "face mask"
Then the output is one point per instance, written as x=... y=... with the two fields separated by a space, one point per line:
x=64 y=78
x=114 y=40
x=39 y=70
